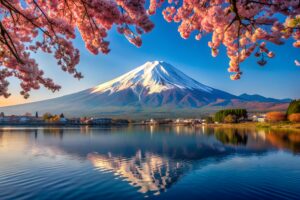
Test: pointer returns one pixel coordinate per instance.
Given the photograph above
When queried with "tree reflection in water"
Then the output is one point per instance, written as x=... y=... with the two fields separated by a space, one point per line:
x=231 y=136
x=285 y=139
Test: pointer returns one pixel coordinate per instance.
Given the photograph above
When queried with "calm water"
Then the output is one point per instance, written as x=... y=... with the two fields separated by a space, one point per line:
x=148 y=162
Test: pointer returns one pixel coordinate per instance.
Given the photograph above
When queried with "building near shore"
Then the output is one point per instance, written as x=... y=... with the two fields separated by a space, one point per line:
x=16 y=119
x=187 y=121
x=259 y=118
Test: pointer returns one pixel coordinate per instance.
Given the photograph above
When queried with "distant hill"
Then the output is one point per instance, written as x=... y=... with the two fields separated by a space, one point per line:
x=256 y=97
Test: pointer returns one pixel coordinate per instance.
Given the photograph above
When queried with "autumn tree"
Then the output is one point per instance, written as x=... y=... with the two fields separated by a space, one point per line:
x=47 y=116
x=275 y=116
x=244 y=27
x=54 y=118
x=230 y=119
x=295 y=117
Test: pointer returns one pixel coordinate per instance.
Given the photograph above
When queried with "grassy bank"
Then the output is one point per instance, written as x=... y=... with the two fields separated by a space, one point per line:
x=278 y=125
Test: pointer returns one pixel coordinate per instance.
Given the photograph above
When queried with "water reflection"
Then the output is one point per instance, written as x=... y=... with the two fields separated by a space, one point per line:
x=231 y=136
x=285 y=140
x=150 y=159
x=151 y=174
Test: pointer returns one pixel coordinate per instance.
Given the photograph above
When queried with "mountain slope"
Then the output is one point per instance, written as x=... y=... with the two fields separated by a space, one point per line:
x=154 y=88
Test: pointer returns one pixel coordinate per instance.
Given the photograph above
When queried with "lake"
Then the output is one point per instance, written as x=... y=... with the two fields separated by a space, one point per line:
x=148 y=162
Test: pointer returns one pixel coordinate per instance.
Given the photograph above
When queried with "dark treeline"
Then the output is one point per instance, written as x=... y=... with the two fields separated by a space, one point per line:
x=237 y=113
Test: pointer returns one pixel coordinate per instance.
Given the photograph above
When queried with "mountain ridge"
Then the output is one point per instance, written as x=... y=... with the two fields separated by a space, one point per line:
x=257 y=97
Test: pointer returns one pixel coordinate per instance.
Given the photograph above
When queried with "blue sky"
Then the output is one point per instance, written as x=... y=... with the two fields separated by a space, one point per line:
x=280 y=78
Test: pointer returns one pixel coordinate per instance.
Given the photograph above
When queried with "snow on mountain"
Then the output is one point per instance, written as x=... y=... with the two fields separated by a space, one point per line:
x=154 y=77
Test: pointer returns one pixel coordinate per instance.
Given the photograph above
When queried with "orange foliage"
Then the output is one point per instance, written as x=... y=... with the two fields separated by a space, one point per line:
x=294 y=117
x=275 y=116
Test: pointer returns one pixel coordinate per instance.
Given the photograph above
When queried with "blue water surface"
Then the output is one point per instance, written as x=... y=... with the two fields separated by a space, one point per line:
x=148 y=162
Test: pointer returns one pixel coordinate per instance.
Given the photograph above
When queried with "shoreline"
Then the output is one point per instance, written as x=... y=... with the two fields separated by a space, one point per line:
x=277 y=125
x=266 y=125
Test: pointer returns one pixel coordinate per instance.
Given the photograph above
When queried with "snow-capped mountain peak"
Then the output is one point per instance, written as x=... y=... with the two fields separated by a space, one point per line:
x=151 y=77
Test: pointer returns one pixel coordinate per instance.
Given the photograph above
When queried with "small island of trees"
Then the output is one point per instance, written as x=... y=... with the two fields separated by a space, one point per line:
x=231 y=115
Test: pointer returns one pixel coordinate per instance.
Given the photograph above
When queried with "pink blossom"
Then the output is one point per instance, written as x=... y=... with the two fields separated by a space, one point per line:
x=49 y=26
x=271 y=54
x=222 y=19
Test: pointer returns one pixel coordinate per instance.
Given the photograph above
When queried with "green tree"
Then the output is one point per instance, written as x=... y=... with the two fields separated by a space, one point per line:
x=294 y=107
x=209 y=120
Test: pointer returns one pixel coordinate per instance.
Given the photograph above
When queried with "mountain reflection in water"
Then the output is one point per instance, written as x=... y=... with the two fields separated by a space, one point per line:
x=150 y=173
x=149 y=159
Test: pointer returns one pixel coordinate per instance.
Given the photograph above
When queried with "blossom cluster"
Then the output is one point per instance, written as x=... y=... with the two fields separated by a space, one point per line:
x=243 y=26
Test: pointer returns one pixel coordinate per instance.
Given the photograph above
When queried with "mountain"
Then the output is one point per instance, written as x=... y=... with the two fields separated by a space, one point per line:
x=259 y=98
x=153 y=89
x=158 y=84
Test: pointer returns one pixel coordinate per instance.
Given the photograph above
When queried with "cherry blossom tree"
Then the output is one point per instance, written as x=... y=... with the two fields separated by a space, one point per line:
x=244 y=27
x=28 y=26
